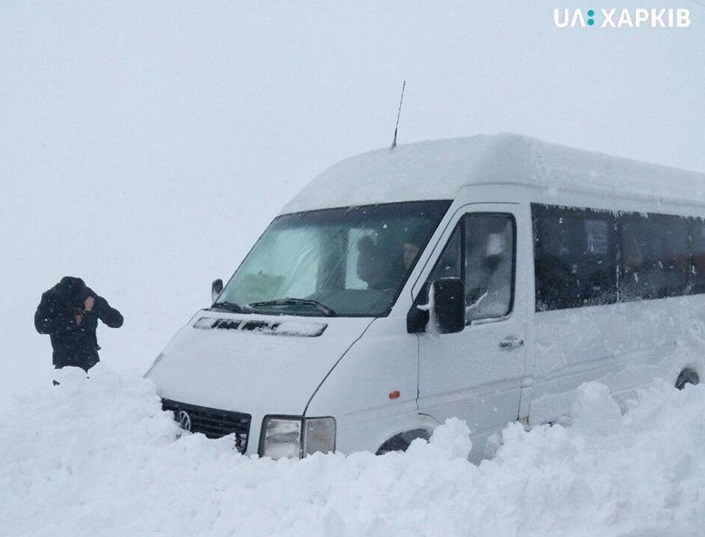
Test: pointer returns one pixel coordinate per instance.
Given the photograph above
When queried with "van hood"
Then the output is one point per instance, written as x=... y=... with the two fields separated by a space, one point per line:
x=250 y=363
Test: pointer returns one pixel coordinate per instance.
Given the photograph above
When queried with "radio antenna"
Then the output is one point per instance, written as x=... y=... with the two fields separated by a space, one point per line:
x=396 y=128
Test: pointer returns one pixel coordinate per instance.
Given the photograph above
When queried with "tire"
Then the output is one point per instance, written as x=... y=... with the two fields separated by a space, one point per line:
x=687 y=376
x=402 y=441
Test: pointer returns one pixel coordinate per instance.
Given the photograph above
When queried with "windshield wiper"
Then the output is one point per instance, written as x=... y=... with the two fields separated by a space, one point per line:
x=231 y=306
x=288 y=301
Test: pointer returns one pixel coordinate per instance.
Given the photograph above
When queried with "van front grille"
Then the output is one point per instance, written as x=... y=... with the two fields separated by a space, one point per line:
x=212 y=422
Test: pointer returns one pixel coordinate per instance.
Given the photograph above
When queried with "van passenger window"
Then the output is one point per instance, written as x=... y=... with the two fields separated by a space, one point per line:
x=574 y=257
x=489 y=266
x=697 y=242
x=586 y=257
x=481 y=253
x=638 y=244
x=674 y=258
x=655 y=260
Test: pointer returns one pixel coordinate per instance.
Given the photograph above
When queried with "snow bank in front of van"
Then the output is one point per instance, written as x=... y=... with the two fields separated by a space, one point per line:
x=97 y=456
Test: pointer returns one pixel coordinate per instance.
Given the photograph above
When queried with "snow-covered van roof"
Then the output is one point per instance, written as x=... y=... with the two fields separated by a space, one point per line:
x=438 y=169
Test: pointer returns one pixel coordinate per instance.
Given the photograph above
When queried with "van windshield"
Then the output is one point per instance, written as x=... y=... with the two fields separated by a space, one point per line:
x=350 y=261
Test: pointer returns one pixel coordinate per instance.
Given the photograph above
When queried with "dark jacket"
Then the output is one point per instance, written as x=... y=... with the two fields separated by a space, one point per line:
x=74 y=345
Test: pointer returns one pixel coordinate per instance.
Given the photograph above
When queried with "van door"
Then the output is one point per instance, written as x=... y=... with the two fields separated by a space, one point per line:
x=476 y=374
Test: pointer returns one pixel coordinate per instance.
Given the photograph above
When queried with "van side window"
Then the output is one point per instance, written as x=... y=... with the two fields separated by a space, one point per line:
x=655 y=261
x=574 y=257
x=697 y=244
x=481 y=252
x=585 y=257
x=674 y=260
x=489 y=266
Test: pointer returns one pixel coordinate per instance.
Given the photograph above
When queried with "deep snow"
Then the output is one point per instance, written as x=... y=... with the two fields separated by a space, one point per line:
x=97 y=456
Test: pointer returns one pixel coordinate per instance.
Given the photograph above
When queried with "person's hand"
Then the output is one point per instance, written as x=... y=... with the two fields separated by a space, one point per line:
x=88 y=303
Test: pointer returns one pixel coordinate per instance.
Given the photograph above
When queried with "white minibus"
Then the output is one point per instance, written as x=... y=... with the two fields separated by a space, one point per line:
x=484 y=278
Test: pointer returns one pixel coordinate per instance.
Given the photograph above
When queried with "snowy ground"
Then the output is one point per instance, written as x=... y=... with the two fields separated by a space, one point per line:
x=98 y=457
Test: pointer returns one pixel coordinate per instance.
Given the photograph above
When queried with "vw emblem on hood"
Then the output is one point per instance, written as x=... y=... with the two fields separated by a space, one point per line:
x=184 y=420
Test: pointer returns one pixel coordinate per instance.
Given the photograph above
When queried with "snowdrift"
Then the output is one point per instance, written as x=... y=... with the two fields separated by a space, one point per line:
x=98 y=457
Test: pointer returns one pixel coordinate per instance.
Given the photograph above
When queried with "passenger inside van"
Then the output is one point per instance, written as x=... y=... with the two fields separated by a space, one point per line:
x=411 y=250
x=633 y=257
x=493 y=277
x=374 y=265
x=412 y=247
x=635 y=283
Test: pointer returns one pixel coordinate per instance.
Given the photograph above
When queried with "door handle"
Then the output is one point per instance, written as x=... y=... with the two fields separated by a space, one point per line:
x=511 y=342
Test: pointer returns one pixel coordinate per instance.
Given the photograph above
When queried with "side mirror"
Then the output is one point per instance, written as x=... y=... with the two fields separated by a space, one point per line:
x=444 y=311
x=447 y=305
x=216 y=289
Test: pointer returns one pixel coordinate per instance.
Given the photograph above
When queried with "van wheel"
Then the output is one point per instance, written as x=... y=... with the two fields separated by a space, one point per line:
x=402 y=441
x=687 y=376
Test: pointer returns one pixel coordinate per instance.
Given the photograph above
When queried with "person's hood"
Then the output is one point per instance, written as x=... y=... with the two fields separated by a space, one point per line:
x=71 y=290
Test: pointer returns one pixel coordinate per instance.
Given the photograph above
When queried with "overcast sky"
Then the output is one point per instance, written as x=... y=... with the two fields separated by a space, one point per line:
x=145 y=145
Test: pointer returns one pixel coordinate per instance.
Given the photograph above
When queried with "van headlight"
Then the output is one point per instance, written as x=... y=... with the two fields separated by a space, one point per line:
x=296 y=437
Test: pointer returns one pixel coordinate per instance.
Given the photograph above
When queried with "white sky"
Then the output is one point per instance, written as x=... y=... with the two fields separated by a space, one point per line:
x=145 y=145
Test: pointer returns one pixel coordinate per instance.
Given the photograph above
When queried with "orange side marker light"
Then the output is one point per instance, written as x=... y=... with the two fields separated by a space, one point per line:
x=395 y=394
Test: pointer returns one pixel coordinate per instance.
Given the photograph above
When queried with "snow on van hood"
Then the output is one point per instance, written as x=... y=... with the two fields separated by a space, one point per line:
x=252 y=364
x=438 y=169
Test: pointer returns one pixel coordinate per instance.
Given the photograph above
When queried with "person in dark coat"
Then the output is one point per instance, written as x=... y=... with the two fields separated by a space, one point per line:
x=69 y=313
